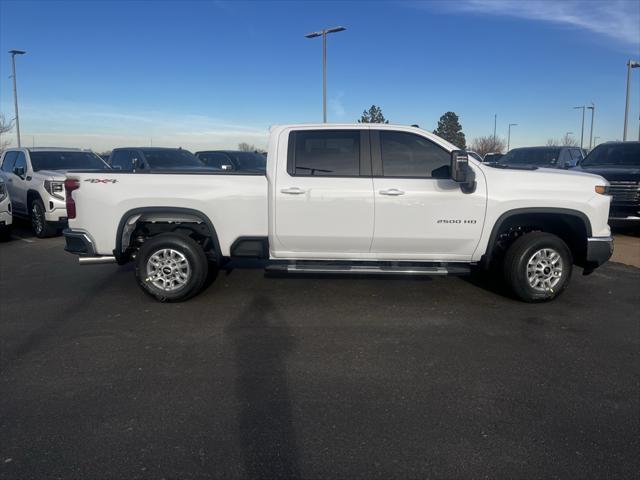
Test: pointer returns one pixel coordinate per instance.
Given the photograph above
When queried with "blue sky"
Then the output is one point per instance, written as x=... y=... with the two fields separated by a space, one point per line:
x=207 y=74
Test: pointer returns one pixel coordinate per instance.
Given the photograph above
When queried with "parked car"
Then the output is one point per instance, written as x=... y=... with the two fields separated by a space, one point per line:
x=35 y=181
x=475 y=155
x=362 y=198
x=619 y=163
x=492 y=157
x=547 y=157
x=233 y=160
x=6 y=218
x=153 y=158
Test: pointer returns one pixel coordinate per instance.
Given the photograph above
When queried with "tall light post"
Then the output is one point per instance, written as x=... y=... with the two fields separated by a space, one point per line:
x=630 y=64
x=323 y=33
x=509 y=135
x=593 y=114
x=495 y=124
x=15 y=90
x=583 y=107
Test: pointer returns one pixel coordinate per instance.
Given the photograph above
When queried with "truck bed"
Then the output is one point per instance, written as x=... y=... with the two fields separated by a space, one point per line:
x=235 y=203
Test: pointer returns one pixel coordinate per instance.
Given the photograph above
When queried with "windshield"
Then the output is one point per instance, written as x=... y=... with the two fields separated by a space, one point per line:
x=616 y=154
x=171 y=159
x=531 y=156
x=65 y=161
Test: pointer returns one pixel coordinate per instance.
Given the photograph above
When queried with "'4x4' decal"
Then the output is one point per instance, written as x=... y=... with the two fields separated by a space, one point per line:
x=101 y=180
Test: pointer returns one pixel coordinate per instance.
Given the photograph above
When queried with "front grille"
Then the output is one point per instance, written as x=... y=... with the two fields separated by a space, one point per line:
x=625 y=192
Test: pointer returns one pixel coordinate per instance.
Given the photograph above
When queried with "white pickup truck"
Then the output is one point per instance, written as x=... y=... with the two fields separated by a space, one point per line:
x=373 y=199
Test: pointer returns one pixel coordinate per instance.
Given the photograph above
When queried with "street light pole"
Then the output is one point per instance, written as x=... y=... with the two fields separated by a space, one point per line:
x=324 y=33
x=495 y=123
x=509 y=135
x=583 y=107
x=593 y=114
x=15 y=90
x=630 y=64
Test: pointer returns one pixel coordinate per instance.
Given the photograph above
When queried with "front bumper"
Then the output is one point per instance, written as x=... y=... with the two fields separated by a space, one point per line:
x=6 y=219
x=599 y=250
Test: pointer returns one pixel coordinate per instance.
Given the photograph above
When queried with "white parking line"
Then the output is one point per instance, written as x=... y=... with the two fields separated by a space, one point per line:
x=23 y=239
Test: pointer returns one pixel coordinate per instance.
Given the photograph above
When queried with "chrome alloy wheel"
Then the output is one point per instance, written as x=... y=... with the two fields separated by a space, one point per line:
x=37 y=218
x=544 y=270
x=168 y=269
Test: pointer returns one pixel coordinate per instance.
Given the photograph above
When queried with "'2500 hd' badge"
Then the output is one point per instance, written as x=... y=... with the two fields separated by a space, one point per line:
x=101 y=180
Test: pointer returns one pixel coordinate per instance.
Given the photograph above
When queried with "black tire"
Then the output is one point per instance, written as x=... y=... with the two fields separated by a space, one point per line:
x=516 y=263
x=5 y=233
x=41 y=228
x=190 y=261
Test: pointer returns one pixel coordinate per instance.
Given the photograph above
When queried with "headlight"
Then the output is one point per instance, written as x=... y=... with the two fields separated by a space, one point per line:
x=3 y=191
x=55 y=188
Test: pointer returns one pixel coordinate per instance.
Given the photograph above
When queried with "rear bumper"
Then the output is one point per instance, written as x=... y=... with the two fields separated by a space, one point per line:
x=81 y=244
x=78 y=243
x=599 y=250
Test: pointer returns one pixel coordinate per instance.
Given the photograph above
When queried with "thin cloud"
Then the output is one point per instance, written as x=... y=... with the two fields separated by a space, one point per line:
x=617 y=19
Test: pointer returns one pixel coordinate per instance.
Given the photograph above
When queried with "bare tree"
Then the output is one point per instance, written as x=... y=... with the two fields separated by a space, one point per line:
x=566 y=141
x=245 y=147
x=488 y=144
x=5 y=127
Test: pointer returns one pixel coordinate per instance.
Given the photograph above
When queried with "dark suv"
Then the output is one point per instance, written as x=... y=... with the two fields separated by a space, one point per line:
x=542 y=157
x=619 y=163
x=153 y=158
x=234 y=160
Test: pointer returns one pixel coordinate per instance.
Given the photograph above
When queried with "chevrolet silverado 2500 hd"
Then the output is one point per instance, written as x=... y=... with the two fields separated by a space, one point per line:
x=358 y=198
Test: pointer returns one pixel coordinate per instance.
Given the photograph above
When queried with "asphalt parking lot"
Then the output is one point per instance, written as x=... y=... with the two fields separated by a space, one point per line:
x=311 y=377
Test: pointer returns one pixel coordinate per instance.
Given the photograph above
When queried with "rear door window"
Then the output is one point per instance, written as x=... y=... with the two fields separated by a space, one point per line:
x=324 y=153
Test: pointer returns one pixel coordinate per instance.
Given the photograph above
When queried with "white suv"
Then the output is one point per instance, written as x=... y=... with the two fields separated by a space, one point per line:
x=6 y=219
x=34 y=178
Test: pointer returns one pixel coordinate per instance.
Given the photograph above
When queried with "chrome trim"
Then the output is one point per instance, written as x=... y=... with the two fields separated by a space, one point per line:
x=96 y=260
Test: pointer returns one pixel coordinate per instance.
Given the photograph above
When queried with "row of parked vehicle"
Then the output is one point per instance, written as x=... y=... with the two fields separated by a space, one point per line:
x=32 y=179
x=379 y=199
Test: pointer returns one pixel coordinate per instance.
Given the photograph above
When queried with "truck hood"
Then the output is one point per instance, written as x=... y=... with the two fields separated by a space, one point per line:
x=613 y=173
x=51 y=174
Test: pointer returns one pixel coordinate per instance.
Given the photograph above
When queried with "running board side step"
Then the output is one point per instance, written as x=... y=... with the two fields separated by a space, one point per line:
x=328 y=268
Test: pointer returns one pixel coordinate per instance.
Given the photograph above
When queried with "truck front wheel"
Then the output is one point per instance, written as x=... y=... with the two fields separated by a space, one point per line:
x=171 y=267
x=538 y=266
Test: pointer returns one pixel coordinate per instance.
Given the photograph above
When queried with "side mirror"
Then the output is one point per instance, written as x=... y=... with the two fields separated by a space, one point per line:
x=459 y=166
x=19 y=171
x=227 y=168
x=136 y=164
x=461 y=172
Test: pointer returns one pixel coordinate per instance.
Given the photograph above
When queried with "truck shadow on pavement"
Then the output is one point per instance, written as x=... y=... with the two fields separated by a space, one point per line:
x=262 y=341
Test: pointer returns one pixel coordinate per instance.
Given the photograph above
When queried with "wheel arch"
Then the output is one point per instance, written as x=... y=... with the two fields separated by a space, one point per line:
x=31 y=196
x=552 y=220
x=170 y=215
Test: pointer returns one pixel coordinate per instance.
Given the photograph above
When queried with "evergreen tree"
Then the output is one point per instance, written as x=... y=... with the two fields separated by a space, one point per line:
x=373 y=115
x=450 y=129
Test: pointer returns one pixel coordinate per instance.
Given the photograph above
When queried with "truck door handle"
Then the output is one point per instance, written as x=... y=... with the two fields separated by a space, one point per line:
x=292 y=191
x=393 y=192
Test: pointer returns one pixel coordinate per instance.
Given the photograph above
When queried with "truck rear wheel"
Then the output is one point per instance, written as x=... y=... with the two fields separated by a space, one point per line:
x=171 y=267
x=538 y=266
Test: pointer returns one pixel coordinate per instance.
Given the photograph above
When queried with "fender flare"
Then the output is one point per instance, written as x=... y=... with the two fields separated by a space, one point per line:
x=524 y=211
x=175 y=210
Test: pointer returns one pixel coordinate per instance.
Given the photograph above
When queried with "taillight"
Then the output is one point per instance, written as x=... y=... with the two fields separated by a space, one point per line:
x=71 y=184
